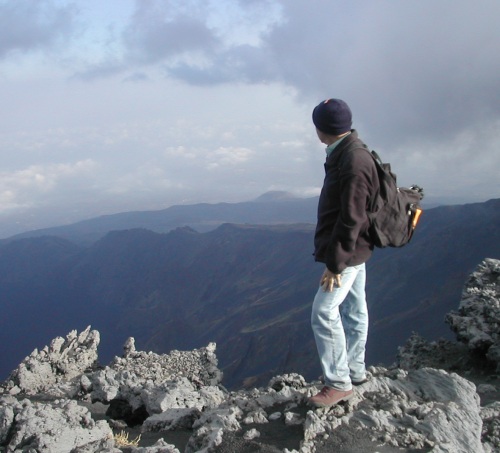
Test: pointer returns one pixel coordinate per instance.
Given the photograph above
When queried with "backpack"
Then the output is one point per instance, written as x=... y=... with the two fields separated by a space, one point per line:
x=394 y=211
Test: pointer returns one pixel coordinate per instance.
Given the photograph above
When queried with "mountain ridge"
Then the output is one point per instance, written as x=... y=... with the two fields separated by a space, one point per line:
x=272 y=207
x=251 y=285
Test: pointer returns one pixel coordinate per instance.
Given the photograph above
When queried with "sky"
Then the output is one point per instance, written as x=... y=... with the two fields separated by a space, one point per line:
x=117 y=105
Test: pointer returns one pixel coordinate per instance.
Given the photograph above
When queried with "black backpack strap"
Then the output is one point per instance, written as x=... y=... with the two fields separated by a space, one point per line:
x=376 y=157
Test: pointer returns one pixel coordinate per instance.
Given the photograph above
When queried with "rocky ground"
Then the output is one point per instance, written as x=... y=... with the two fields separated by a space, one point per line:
x=439 y=397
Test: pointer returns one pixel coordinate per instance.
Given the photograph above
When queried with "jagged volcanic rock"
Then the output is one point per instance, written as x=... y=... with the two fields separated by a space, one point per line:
x=475 y=354
x=477 y=322
x=60 y=362
x=55 y=427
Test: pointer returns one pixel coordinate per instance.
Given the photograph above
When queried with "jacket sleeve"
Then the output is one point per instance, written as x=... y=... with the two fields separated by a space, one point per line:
x=355 y=189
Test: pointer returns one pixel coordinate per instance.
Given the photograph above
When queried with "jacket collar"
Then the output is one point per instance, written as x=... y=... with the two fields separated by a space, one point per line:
x=341 y=146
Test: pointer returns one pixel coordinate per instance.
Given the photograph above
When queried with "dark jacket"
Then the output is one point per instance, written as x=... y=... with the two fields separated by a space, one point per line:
x=341 y=237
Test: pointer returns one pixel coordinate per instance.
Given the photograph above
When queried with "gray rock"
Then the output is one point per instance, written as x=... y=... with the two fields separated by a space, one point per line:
x=179 y=394
x=421 y=409
x=58 y=427
x=477 y=325
x=126 y=376
x=275 y=416
x=292 y=380
x=491 y=427
x=8 y=407
x=425 y=408
x=210 y=428
x=159 y=447
x=251 y=434
x=198 y=366
x=256 y=417
x=60 y=362
x=292 y=418
x=129 y=347
x=159 y=383
x=172 y=419
x=477 y=320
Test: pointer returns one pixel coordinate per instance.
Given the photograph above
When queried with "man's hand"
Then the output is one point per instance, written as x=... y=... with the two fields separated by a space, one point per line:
x=329 y=280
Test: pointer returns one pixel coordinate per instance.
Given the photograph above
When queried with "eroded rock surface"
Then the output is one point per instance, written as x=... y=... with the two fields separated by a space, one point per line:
x=477 y=321
x=475 y=354
x=57 y=427
x=56 y=364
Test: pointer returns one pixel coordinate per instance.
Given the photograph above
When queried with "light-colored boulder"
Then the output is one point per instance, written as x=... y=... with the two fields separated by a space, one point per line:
x=62 y=361
x=58 y=427
x=478 y=317
x=172 y=419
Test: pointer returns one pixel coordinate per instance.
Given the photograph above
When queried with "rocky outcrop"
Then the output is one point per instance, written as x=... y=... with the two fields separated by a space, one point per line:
x=477 y=321
x=475 y=354
x=58 y=400
x=54 y=412
x=142 y=384
x=59 y=363
x=421 y=409
x=57 y=427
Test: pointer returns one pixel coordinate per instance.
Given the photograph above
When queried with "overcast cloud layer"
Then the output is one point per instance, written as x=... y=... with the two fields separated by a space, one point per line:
x=123 y=105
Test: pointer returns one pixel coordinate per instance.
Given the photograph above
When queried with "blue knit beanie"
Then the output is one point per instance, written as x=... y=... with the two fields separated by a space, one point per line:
x=333 y=117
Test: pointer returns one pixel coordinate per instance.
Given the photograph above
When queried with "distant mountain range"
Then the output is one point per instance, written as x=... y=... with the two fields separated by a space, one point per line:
x=274 y=207
x=247 y=287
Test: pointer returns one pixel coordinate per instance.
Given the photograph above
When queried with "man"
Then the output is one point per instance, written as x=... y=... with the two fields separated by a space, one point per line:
x=339 y=314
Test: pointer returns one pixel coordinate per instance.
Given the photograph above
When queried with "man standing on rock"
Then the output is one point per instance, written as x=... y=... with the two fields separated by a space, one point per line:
x=339 y=314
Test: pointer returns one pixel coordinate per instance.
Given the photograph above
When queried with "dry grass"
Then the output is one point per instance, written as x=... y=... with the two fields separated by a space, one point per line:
x=122 y=440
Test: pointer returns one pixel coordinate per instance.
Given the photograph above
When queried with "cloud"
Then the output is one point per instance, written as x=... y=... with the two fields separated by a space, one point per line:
x=211 y=100
x=30 y=186
x=465 y=166
x=228 y=156
x=142 y=181
x=241 y=64
x=26 y=26
x=199 y=42
x=150 y=38
x=406 y=68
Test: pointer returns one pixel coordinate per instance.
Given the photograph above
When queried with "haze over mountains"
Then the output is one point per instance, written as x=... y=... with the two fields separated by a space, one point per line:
x=247 y=287
x=270 y=207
